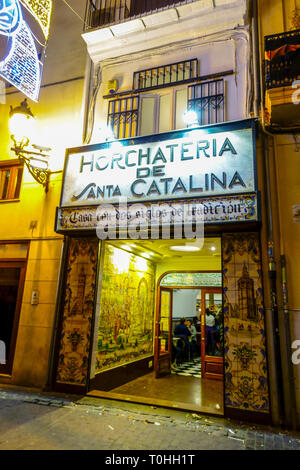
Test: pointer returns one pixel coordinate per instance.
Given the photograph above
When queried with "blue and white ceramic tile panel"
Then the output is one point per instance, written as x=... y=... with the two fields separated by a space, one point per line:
x=246 y=380
x=78 y=305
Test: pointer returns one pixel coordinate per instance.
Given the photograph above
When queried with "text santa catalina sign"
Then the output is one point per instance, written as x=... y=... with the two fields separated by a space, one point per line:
x=210 y=161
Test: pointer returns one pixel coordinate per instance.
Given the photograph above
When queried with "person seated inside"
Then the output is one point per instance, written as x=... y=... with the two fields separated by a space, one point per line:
x=183 y=332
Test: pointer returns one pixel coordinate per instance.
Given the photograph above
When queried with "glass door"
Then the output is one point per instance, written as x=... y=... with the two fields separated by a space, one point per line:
x=162 y=362
x=212 y=333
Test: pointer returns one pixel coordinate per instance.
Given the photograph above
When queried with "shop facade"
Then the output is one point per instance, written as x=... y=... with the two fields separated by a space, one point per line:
x=182 y=187
x=88 y=307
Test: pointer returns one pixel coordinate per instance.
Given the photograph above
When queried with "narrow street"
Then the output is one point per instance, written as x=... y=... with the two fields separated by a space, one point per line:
x=40 y=421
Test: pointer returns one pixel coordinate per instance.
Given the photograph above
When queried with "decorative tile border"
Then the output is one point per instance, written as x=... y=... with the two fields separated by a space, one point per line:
x=210 y=210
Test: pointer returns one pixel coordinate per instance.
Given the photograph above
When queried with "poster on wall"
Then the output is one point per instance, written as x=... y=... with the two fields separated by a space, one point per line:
x=24 y=30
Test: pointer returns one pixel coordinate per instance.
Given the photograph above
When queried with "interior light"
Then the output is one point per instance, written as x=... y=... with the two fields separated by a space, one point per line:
x=213 y=248
x=184 y=248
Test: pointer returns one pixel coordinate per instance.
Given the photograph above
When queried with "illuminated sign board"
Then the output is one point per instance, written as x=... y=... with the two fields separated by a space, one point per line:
x=210 y=161
x=24 y=30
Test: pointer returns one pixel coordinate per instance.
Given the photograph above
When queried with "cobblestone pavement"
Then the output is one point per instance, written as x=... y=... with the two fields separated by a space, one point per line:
x=42 y=421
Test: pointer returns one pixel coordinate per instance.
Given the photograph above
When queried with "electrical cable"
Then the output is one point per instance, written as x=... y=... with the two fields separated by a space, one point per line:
x=75 y=12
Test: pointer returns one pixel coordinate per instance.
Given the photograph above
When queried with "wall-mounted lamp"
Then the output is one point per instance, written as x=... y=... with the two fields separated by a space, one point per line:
x=21 y=121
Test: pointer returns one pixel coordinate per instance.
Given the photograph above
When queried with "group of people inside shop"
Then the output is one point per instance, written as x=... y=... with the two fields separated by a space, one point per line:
x=185 y=341
x=186 y=338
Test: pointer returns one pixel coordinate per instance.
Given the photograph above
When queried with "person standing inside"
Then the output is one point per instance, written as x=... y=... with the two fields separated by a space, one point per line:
x=210 y=322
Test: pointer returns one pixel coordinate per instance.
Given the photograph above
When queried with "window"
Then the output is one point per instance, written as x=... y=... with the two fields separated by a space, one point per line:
x=162 y=111
x=165 y=75
x=123 y=116
x=207 y=100
x=161 y=108
x=10 y=179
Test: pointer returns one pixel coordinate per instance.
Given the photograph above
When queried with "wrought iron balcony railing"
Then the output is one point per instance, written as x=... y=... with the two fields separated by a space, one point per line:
x=108 y=12
x=282 y=59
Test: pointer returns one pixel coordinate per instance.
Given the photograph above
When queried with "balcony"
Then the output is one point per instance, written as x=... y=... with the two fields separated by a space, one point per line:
x=101 y=13
x=282 y=79
x=115 y=28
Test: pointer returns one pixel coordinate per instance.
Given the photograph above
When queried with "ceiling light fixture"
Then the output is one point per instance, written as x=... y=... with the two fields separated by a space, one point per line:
x=184 y=248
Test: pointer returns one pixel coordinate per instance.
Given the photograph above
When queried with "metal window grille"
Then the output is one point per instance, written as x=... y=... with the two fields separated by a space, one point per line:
x=165 y=75
x=208 y=101
x=123 y=116
x=104 y=12
x=282 y=59
x=10 y=181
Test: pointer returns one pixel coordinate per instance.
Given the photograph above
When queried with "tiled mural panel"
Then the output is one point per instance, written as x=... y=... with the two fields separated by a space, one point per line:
x=125 y=330
x=78 y=306
x=246 y=383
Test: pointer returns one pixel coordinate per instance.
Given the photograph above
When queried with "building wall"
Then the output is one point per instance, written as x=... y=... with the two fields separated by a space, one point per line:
x=59 y=123
x=36 y=321
x=216 y=33
x=213 y=58
x=279 y=16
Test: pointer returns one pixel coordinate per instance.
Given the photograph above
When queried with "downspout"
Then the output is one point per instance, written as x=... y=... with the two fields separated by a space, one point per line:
x=288 y=340
x=270 y=230
x=291 y=417
x=255 y=49
x=87 y=99
x=272 y=274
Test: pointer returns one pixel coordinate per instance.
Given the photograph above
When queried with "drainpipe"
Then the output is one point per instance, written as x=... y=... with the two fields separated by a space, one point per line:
x=292 y=383
x=87 y=99
x=255 y=49
x=272 y=274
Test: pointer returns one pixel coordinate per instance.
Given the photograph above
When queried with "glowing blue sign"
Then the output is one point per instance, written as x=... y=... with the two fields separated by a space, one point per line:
x=21 y=53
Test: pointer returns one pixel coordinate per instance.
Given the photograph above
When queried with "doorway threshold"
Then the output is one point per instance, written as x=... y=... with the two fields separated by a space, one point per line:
x=157 y=402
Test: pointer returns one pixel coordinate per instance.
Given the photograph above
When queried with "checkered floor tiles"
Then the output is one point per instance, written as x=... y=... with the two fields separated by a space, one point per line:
x=192 y=368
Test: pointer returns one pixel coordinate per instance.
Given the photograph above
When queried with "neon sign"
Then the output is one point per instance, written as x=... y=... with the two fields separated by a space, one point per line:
x=21 y=52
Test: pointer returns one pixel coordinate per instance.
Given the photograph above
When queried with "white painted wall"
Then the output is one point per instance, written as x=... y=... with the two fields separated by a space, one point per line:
x=184 y=303
x=215 y=33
